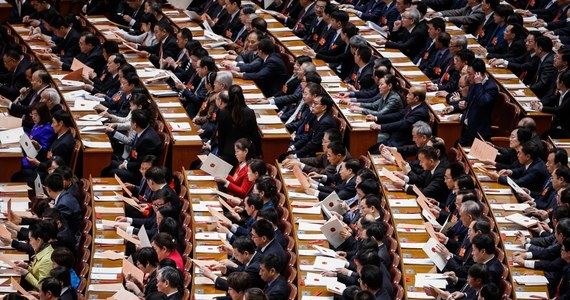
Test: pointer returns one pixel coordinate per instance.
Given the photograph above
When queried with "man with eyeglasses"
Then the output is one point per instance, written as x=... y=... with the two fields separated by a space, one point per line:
x=15 y=78
x=407 y=34
x=524 y=66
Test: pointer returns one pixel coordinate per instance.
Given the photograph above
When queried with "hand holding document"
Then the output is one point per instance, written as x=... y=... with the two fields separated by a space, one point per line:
x=333 y=203
x=216 y=166
x=332 y=229
x=78 y=65
x=28 y=146
x=130 y=270
x=483 y=151
x=430 y=248
x=301 y=177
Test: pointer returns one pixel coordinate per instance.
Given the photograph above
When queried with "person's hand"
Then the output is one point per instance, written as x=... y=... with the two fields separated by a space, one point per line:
x=451 y=276
x=100 y=107
x=261 y=101
x=37 y=145
x=309 y=52
x=442 y=250
x=341 y=253
x=290 y=163
x=441 y=94
x=35 y=23
x=397 y=25
x=34 y=161
x=431 y=87
x=505 y=172
x=122 y=225
x=55 y=61
x=226 y=249
x=435 y=210
x=132 y=287
x=121 y=219
x=129 y=186
x=127 y=18
x=493 y=175
x=382 y=42
x=21 y=264
x=456 y=295
x=525 y=197
x=399 y=184
x=521 y=238
x=488 y=162
x=222 y=229
x=441 y=237
x=375 y=126
x=430 y=291
x=431 y=201
x=477 y=78
x=343 y=271
x=108 y=128
x=544 y=226
x=345 y=234
x=350 y=88
x=220 y=180
x=143 y=54
x=519 y=259
x=180 y=86
x=356 y=109
x=542 y=214
x=328 y=274
x=536 y=105
x=5 y=241
x=207 y=272
x=370 y=118
x=5 y=101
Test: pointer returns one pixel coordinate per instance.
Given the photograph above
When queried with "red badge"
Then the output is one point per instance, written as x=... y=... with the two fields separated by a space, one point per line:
x=315 y=37
x=322 y=41
x=437 y=71
x=494 y=41
x=445 y=76
x=307 y=128
x=134 y=153
x=383 y=21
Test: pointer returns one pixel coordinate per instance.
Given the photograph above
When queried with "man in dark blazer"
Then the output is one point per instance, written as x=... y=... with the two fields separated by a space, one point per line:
x=16 y=64
x=168 y=281
x=146 y=142
x=248 y=261
x=514 y=45
x=435 y=27
x=263 y=235
x=559 y=106
x=64 y=144
x=343 y=182
x=318 y=26
x=322 y=120
x=108 y=82
x=19 y=10
x=306 y=18
x=531 y=174
x=431 y=181
x=442 y=57
x=271 y=268
x=372 y=280
x=68 y=44
x=166 y=46
x=484 y=253
x=399 y=124
x=273 y=73
x=361 y=78
x=407 y=36
x=22 y=108
x=524 y=66
x=545 y=10
x=481 y=98
x=94 y=7
x=90 y=54
x=544 y=82
x=65 y=202
x=368 y=11
x=489 y=25
x=469 y=17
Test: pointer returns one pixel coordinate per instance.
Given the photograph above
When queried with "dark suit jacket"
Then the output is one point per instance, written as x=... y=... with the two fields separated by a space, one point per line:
x=109 y=85
x=169 y=49
x=69 y=294
x=69 y=208
x=486 y=30
x=546 y=13
x=69 y=46
x=312 y=142
x=410 y=43
x=228 y=133
x=470 y=19
x=371 y=11
x=26 y=10
x=480 y=102
x=389 y=15
x=273 y=248
x=506 y=51
x=147 y=143
x=271 y=76
x=278 y=290
x=24 y=107
x=319 y=164
x=545 y=80
x=304 y=24
x=364 y=80
x=344 y=189
x=399 y=124
x=63 y=147
x=15 y=81
x=431 y=185
x=120 y=107
x=524 y=67
x=93 y=59
x=561 y=112
x=252 y=269
x=314 y=32
x=436 y=66
x=532 y=178
x=96 y=7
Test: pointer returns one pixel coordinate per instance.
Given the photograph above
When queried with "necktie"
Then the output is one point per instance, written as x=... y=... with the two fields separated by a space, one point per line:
x=239 y=34
x=333 y=39
x=296 y=113
x=300 y=19
x=208 y=5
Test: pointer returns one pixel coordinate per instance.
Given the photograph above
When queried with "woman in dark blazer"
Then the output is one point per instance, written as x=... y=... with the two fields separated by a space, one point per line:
x=236 y=121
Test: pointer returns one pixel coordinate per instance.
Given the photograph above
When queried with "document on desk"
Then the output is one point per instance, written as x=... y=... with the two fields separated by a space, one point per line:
x=328 y=263
x=174 y=115
x=315 y=279
x=100 y=145
x=180 y=126
x=10 y=122
x=11 y=135
x=83 y=105
x=269 y=120
x=106 y=287
x=262 y=106
x=216 y=166
x=109 y=210
x=274 y=131
x=522 y=220
x=515 y=186
x=109 y=254
x=531 y=280
x=163 y=93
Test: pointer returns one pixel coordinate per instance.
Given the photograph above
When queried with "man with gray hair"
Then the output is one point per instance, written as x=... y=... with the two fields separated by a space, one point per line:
x=52 y=99
x=407 y=34
x=168 y=280
x=225 y=79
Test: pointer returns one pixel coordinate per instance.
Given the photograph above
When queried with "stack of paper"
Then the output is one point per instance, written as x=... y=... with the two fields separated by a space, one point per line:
x=530 y=280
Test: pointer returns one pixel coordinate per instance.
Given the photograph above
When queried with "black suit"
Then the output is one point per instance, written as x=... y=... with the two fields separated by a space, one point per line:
x=252 y=269
x=344 y=189
x=399 y=124
x=95 y=7
x=278 y=289
x=271 y=77
x=15 y=80
x=69 y=208
x=363 y=80
x=69 y=46
x=108 y=85
x=312 y=142
x=62 y=147
x=304 y=23
x=16 y=15
x=94 y=59
x=524 y=67
x=228 y=133
x=24 y=107
x=532 y=178
x=477 y=116
x=544 y=82
x=164 y=49
x=314 y=33
x=560 y=126
x=486 y=30
x=410 y=43
x=506 y=51
x=431 y=185
x=272 y=248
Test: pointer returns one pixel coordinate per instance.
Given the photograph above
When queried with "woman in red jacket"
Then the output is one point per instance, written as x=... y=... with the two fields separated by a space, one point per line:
x=241 y=182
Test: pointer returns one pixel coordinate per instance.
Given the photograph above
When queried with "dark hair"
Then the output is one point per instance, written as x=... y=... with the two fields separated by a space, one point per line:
x=444 y=38
x=110 y=47
x=147 y=255
x=334 y=135
x=375 y=230
x=484 y=242
x=255 y=200
x=199 y=52
x=169 y=225
x=273 y=261
x=564 y=78
x=340 y=16
x=561 y=212
x=63 y=116
x=156 y=174
x=365 y=174
x=239 y=281
x=244 y=244
x=371 y=275
x=564 y=172
x=337 y=148
x=172 y=275
x=259 y=24
x=50 y=284
x=258 y=166
x=156 y=296
x=42 y=75
x=268 y=213
x=479 y=271
x=365 y=53
x=313 y=77
x=456 y=169
x=91 y=39
x=428 y=152
x=266 y=46
x=209 y=63
x=254 y=294
x=148 y=19
x=43 y=112
x=365 y=295
x=437 y=23
x=43 y=230
x=350 y=30
x=264 y=228
x=490 y=291
x=236 y=105
x=482 y=225
x=266 y=184
x=62 y=256
x=140 y=118
x=62 y=274
x=127 y=70
x=369 y=257
x=465 y=55
x=165 y=240
x=530 y=148
x=164 y=26
x=369 y=186
x=478 y=65
x=301 y=59
x=465 y=181
x=54 y=182
x=373 y=201
x=243 y=144
x=503 y=11
x=544 y=43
